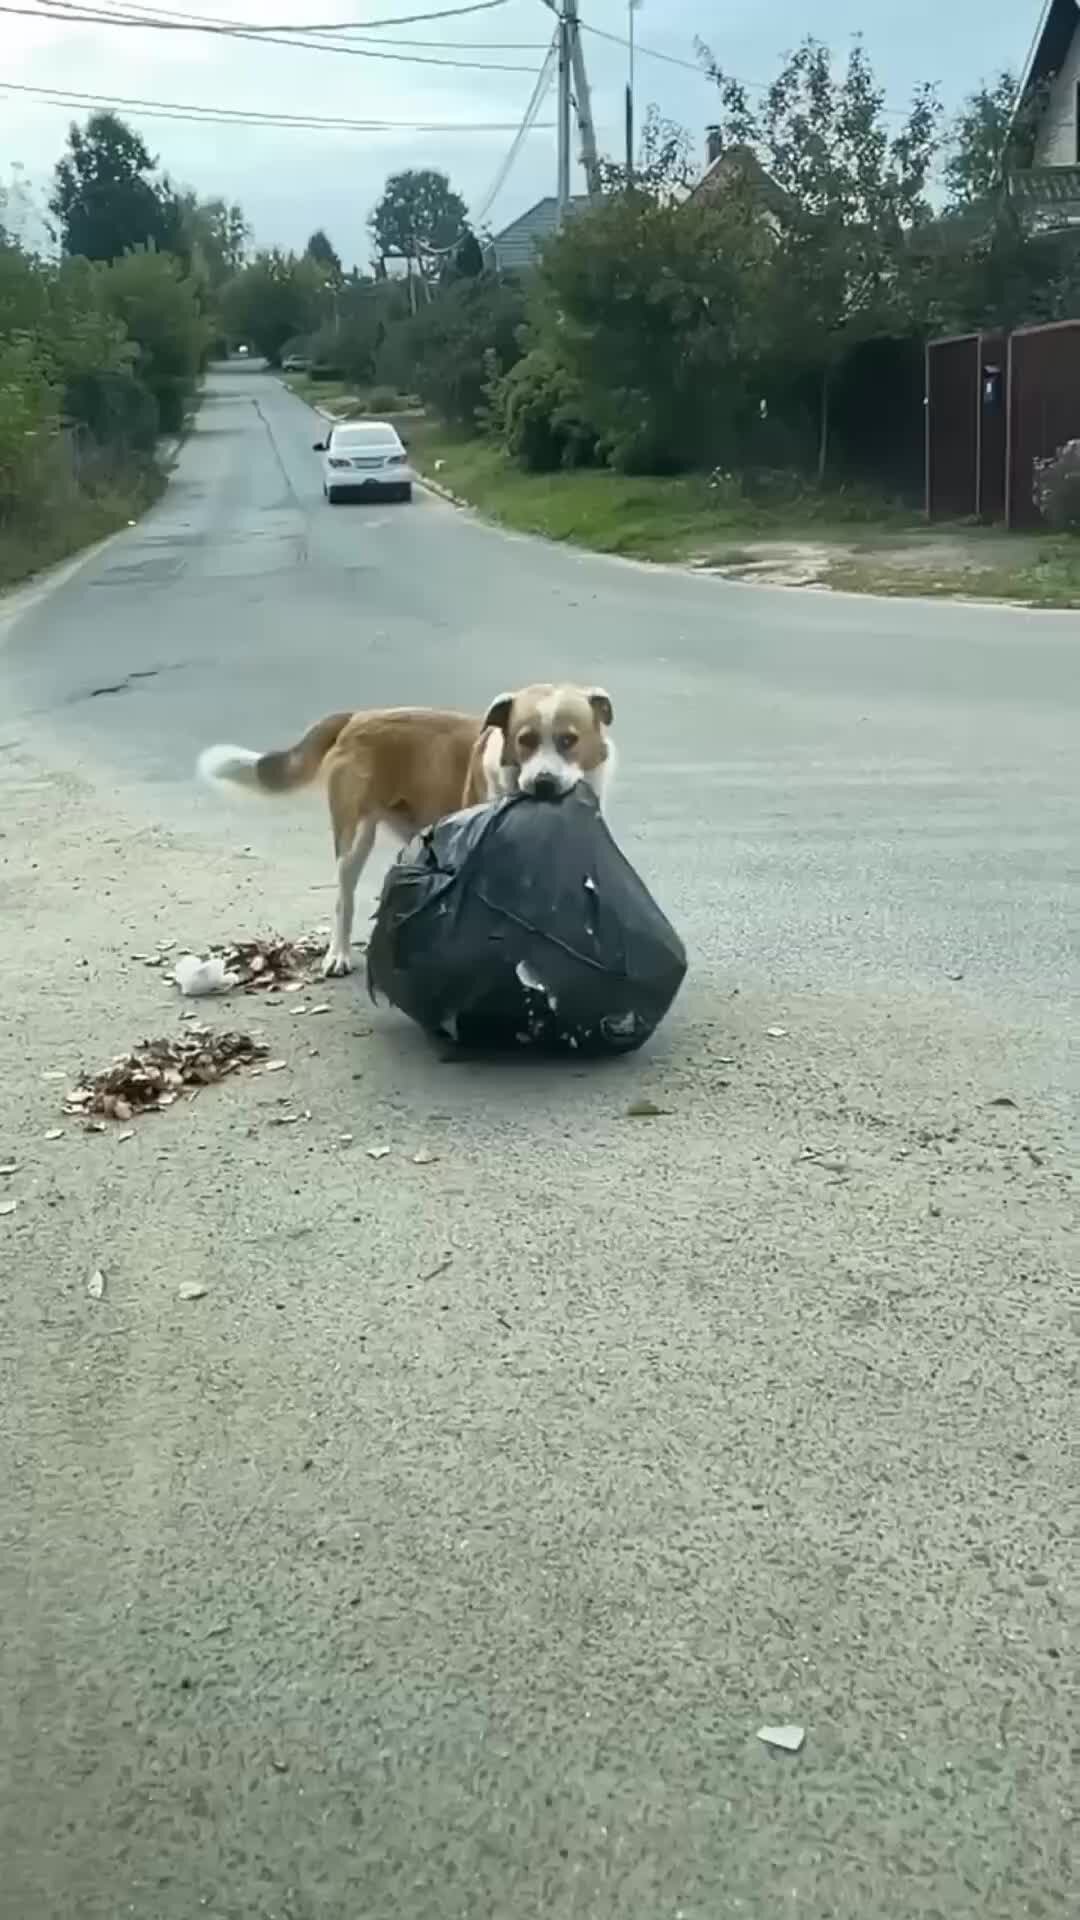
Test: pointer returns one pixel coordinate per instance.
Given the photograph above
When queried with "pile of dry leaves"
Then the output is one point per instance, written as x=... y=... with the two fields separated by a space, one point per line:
x=272 y=963
x=154 y=1074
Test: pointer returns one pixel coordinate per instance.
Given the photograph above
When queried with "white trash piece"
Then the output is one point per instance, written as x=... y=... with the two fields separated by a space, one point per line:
x=196 y=977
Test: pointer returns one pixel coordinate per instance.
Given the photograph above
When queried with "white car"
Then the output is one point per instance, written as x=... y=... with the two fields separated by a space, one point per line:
x=365 y=457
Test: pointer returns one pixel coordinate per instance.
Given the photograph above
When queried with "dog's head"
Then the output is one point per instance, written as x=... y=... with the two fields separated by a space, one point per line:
x=552 y=737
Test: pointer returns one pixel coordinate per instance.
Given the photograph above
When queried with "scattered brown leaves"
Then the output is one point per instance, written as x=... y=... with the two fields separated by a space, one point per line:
x=153 y=1075
x=268 y=965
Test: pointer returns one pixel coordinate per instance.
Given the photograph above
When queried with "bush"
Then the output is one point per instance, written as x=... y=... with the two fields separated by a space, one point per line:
x=116 y=408
x=653 y=308
x=383 y=400
x=447 y=351
x=1057 y=488
x=158 y=302
x=540 y=414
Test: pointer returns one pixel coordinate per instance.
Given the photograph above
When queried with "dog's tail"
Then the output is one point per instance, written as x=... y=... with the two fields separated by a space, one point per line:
x=277 y=772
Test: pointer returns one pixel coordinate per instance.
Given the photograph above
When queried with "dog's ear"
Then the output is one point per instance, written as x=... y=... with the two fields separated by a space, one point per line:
x=600 y=702
x=498 y=714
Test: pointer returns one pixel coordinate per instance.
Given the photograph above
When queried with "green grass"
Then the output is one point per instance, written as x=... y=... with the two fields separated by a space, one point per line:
x=650 y=518
x=74 y=521
x=879 y=547
x=331 y=393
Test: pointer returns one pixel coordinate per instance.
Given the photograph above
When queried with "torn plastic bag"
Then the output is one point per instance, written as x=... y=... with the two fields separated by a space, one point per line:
x=521 y=924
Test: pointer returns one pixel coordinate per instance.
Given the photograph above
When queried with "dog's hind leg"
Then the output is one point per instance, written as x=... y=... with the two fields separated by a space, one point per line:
x=354 y=837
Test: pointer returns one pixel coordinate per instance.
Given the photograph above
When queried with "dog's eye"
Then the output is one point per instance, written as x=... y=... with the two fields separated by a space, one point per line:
x=566 y=742
x=530 y=740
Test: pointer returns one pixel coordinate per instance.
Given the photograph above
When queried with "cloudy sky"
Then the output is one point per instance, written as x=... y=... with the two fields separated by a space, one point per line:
x=289 y=180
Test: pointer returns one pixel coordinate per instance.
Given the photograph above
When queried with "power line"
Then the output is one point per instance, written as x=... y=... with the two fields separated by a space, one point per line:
x=262 y=36
x=239 y=116
x=528 y=122
x=396 y=40
x=124 y=7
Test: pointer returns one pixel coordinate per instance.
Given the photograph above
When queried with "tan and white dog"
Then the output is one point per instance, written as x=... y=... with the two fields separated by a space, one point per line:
x=406 y=767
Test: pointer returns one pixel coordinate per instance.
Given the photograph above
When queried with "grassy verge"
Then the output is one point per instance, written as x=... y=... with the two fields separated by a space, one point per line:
x=652 y=518
x=339 y=394
x=850 y=542
x=72 y=522
x=1038 y=572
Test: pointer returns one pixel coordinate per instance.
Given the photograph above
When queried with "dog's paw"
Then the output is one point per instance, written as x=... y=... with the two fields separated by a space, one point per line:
x=336 y=965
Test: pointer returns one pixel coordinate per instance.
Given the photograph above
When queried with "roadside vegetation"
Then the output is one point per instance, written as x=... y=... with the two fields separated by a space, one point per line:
x=101 y=348
x=699 y=374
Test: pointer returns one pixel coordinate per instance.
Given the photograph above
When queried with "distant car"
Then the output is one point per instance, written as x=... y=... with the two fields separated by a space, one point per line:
x=365 y=457
x=295 y=363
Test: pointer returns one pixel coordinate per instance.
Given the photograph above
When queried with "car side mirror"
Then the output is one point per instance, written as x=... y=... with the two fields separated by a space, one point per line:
x=318 y=446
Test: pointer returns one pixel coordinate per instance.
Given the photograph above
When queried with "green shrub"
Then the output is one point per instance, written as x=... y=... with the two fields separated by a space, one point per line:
x=540 y=414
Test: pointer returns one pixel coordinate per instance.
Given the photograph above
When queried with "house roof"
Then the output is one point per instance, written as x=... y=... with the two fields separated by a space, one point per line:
x=1053 y=38
x=739 y=164
x=516 y=243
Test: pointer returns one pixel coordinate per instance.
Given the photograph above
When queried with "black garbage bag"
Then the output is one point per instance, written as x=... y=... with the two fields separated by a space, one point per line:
x=520 y=924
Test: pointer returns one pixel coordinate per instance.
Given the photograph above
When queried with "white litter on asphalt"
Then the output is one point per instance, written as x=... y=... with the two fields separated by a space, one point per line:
x=95 y=1286
x=790 y=1738
x=196 y=977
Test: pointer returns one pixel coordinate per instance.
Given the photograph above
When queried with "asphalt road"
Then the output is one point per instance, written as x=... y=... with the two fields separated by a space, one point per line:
x=442 y=1561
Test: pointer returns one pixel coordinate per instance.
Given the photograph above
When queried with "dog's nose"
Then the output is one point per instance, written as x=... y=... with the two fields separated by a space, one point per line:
x=545 y=787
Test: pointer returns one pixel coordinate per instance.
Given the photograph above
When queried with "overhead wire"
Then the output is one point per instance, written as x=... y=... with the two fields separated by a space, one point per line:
x=71 y=15
x=213 y=19
x=239 y=116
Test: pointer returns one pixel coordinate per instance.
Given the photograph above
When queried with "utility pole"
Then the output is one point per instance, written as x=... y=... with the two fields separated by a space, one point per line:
x=632 y=7
x=573 y=91
x=590 y=158
x=564 y=114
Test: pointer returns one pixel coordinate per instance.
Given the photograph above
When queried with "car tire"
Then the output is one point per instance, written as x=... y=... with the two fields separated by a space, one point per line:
x=405 y=492
x=332 y=496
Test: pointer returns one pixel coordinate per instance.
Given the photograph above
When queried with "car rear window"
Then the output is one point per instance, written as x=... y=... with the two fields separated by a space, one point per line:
x=376 y=438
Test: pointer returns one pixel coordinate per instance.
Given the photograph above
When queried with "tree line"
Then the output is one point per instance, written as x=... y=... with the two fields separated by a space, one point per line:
x=101 y=348
x=768 y=322
x=771 y=323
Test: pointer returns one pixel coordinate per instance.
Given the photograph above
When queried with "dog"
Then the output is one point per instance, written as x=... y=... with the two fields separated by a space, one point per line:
x=406 y=767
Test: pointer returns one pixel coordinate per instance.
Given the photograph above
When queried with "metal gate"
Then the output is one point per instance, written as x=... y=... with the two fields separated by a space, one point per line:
x=1044 y=409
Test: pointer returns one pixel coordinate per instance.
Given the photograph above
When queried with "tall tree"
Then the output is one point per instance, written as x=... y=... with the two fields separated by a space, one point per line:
x=105 y=200
x=848 y=197
x=655 y=308
x=158 y=302
x=217 y=237
x=418 y=218
x=325 y=256
x=980 y=136
x=274 y=299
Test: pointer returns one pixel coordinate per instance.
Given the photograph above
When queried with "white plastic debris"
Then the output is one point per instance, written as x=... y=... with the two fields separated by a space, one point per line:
x=95 y=1286
x=790 y=1738
x=191 y=1290
x=196 y=977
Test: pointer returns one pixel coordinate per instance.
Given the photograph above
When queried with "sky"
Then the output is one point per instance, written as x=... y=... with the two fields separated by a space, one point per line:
x=290 y=181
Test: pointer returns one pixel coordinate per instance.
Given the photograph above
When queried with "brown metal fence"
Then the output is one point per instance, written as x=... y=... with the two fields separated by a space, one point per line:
x=1044 y=409
x=952 y=427
x=965 y=427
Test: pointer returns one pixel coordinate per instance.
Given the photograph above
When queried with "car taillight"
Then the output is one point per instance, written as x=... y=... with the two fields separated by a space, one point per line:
x=339 y=463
